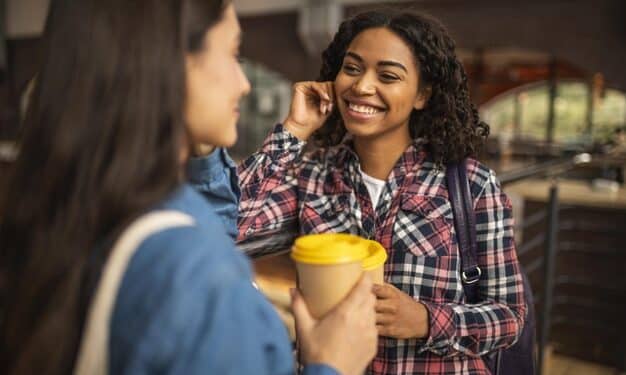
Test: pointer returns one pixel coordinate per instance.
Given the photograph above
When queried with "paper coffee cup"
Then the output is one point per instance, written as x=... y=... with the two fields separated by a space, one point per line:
x=374 y=264
x=328 y=267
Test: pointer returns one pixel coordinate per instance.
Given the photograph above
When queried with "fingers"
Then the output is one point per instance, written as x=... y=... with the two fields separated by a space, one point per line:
x=360 y=301
x=383 y=291
x=326 y=102
x=362 y=292
x=329 y=87
x=386 y=306
x=385 y=330
x=384 y=319
x=321 y=92
x=303 y=320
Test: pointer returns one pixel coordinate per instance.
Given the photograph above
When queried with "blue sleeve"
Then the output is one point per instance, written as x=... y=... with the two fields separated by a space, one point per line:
x=319 y=370
x=187 y=306
x=215 y=177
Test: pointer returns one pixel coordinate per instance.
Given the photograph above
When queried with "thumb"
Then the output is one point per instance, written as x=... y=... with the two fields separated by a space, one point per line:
x=303 y=319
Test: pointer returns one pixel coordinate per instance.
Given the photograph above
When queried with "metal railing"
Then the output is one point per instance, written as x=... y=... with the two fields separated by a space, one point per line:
x=548 y=238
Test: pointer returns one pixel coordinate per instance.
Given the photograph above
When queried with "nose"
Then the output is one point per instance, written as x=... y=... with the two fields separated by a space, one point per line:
x=245 y=84
x=364 y=85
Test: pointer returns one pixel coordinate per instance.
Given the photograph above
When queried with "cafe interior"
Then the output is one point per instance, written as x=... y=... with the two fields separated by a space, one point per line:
x=547 y=76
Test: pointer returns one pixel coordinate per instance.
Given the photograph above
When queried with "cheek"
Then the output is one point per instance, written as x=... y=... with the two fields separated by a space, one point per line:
x=201 y=99
x=201 y=108
x=402 y=101
x=342 y=83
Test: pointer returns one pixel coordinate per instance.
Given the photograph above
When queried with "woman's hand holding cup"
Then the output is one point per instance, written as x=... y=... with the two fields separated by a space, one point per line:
x=346 y=337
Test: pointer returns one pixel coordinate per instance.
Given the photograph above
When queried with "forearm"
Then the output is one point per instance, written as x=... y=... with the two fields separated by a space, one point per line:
x=279 y=152
x=472 y=329
x=269 y=187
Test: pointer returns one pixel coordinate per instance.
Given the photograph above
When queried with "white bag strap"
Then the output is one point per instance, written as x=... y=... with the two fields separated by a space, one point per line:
x=93 y=354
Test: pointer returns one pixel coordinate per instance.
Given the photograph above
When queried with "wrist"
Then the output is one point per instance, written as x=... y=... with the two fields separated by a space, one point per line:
x=422 y=321
x=297 y=130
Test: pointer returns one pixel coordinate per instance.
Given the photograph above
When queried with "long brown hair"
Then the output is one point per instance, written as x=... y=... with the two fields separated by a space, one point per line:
x=101 y=144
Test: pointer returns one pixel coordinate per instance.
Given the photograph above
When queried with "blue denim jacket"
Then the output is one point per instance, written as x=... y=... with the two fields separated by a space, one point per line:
x=187 y=305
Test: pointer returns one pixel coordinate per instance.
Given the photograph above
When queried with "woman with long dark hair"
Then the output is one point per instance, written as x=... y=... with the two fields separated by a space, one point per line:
x=126 y=89
x=389 y=112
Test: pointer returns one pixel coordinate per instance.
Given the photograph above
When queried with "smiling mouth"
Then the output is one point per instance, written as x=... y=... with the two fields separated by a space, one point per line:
x=362 y=110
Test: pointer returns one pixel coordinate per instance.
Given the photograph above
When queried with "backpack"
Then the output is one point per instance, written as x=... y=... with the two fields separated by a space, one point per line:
x=518 y=359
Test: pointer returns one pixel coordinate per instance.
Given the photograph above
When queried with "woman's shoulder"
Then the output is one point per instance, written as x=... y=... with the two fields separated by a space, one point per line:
x=185 y=248
x=481 y=177
x=168 y=295
x=201 y=244
x=479 y=172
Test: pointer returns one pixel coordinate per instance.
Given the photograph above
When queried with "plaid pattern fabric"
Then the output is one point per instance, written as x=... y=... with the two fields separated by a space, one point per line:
x=285 y=188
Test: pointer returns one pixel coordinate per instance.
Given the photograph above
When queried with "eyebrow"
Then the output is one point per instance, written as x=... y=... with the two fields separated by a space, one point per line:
x=380 y=63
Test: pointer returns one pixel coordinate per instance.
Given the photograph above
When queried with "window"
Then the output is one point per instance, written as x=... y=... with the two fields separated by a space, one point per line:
x=265 y=106
x=522 y=113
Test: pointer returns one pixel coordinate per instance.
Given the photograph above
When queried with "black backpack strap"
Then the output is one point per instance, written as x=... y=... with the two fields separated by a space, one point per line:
x=465 y=226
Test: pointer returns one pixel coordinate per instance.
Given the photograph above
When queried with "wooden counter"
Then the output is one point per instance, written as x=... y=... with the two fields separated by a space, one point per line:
x=589 y=291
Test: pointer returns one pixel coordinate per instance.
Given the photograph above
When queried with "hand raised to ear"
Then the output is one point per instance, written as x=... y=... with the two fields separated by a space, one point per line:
x=311 y=104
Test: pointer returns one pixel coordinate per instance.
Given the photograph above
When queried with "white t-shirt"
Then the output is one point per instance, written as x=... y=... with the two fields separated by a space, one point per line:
x=374 y=187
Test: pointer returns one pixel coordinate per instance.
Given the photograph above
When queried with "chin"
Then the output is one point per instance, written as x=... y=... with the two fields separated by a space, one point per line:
x=360 y=130
x=228 y=140
x=230 y=143
x=224 y=136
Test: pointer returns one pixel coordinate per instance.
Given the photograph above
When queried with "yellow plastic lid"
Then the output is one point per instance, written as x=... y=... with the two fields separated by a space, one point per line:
x=330 y=248
x=377 y=256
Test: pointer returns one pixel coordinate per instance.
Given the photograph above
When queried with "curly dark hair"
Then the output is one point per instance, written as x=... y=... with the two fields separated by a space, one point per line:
x=449 y=121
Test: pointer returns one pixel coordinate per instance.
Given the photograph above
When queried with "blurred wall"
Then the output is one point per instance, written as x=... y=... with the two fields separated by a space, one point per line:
x=25 y=18
x=589 y=34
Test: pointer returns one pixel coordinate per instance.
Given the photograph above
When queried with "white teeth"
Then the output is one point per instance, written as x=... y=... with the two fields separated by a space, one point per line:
x=366 y=109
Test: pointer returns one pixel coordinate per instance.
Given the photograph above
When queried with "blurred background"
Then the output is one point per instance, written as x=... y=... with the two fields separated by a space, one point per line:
x=548 y=76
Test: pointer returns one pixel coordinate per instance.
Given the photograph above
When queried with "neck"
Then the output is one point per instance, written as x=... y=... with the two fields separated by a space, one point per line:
x=378 y=155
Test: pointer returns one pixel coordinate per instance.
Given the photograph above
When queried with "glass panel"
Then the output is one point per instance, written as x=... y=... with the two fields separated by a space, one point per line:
x=500 y=115
x=571 y=107
x=609 y=113
x=534 y=113
x=265 y=106
x=571 y=112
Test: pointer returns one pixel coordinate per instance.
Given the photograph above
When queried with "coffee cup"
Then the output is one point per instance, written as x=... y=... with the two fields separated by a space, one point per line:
x=374 y=264
x=328 y=266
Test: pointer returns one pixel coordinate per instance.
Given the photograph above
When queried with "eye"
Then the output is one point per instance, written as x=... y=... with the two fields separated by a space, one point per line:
x=351 y=69
x=387 y=77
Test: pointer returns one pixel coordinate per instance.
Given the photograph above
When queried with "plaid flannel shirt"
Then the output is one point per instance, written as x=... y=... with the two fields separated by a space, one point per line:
x=285 y=189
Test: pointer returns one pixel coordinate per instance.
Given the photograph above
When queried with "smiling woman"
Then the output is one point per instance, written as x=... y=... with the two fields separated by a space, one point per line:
x=389 y=112
x=126 y=89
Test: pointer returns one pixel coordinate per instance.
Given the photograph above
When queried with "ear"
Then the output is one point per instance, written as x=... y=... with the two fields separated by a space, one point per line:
x=191 y=61
x=423 y=95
